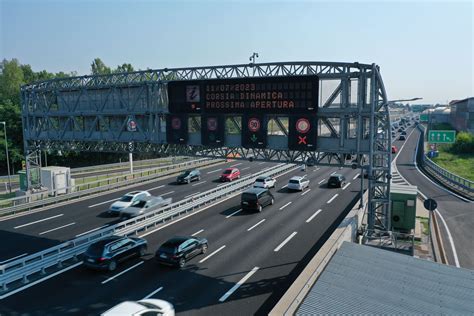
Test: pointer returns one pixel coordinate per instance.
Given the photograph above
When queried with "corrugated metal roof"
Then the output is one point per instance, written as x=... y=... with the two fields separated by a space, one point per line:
x=366 y=280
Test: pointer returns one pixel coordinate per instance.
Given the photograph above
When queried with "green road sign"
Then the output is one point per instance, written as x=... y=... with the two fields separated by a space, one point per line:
x=446 y=137
x=424 y=118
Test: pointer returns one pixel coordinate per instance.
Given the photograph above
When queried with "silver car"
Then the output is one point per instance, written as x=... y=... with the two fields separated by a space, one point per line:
x=144 y=205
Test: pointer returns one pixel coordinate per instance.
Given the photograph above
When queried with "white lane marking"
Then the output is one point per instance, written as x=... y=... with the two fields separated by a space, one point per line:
x=167 y=193
x=249 y=229
x=11 y=259
x=317 y=168
x=238 y=211
x=284 y=186
x=451 y=241
x=92 y=230
x=332 y=199
x=198 y=232
x=237 y=164
x=285 y=241
x=285 y=205
x=191 y=195
x=153 y=293
x=245 y=168
x=52 y=230
x=261 y=163
x=94 y=205
x=158 y=187
x=355 y=177
x=305 y=192
x=214 y=171
x=211 y=254
x=333 y=173
x=313 y=216
x=38 y=221
x=124 y=271
x=321 y=181
x=39 y=281
x=346 y=185
x=238 y=284
x=200 y=182
x=204 y=208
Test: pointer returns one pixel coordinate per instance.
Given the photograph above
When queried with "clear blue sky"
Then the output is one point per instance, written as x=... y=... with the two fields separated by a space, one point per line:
x=423 y=48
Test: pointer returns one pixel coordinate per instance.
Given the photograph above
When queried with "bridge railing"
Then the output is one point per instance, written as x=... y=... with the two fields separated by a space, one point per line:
x=459 y=184
x=22 y=269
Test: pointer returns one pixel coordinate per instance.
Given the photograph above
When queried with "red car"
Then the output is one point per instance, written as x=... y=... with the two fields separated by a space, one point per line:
x=230 y=174
x=394 y=149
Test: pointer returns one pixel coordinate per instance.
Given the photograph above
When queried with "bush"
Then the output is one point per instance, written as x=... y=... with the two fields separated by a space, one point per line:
x=464 y=144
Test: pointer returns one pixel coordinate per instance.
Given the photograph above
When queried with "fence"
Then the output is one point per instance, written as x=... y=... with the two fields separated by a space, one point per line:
x=24 y=268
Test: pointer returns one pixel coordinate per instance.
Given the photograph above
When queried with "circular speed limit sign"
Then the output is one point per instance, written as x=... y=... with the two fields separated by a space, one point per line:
x=254 y=124
x=212 y=123
x=176 y=123
x=303 y=125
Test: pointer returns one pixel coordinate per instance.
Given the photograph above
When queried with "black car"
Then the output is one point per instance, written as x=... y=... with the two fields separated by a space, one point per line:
x=178 y=250
x=402 y=137
x=310 y=162
x=336 y=181
x=255 y=199
x=188 y=176
x=404 y=133
x=106 y=253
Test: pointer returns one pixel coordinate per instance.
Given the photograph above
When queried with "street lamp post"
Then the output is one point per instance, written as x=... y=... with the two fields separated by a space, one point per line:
x=8 y=160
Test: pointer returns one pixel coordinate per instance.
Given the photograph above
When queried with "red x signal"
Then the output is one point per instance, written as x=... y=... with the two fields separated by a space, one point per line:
x=302 y=140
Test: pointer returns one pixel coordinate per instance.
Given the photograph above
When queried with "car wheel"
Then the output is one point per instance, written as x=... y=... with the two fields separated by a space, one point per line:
x=259 y=208
x=199 y=178
x=112 y=265
x=181 y=263
x=272 y=201
x=142 y=251
x=204 y=249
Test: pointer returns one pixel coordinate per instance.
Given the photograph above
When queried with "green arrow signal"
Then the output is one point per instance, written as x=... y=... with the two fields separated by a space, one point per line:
x=253 y=138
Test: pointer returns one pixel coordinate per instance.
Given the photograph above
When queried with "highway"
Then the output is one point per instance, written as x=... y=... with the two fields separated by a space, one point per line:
x=458 y=213
x=264 y=252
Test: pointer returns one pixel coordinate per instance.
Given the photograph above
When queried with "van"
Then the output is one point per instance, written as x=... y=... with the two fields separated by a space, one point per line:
x=255 y=199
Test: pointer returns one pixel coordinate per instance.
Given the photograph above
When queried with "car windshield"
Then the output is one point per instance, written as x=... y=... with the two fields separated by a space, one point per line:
x=126 y=198
x=186 y=173
x=227 y=171
x=294 y=181
x=249 y=197
x=334 y=178
x=260 y=180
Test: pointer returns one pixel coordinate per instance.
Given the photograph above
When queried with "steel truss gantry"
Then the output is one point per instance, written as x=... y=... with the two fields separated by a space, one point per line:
x=91 y=113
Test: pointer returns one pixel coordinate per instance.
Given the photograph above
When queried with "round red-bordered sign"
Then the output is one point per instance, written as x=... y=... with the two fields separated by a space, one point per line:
x=212 y=123
x=254 y=124
x=303 y=125
x=131 y=126
x=176 y=123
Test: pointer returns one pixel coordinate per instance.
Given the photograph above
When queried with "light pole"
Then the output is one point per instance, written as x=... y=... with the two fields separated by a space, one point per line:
x=8 y=160
x=252 y=58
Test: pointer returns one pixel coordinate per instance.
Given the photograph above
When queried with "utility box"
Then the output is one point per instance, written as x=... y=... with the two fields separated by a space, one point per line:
x=56 y=179
x=35 y=178
x=403 y=208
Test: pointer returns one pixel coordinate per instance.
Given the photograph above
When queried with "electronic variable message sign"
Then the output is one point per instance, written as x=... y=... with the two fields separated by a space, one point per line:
x=212 y=130
x=254 y=131
x=302 y=132
x=177 y=129
x=291 y=94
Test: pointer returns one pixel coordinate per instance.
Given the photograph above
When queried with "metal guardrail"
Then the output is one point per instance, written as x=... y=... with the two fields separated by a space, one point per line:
x=23 y=268
x=111 y=183
x=455 y=182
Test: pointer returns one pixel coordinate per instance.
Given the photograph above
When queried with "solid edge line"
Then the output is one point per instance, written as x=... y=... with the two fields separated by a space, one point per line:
x=450 y=237
x=238 y=284
x=39 y=281
x=211 y=254
x=124 y=271
x=153 y=293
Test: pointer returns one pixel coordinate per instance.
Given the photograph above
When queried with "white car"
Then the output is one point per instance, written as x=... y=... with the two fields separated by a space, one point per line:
x=265 y=182
x=126 y=201
x=298 y=183
x=143 y=307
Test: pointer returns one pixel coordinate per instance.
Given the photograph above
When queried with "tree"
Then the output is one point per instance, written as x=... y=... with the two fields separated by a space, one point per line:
x=124 y=68
x=99 y=68
x=10 y=80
